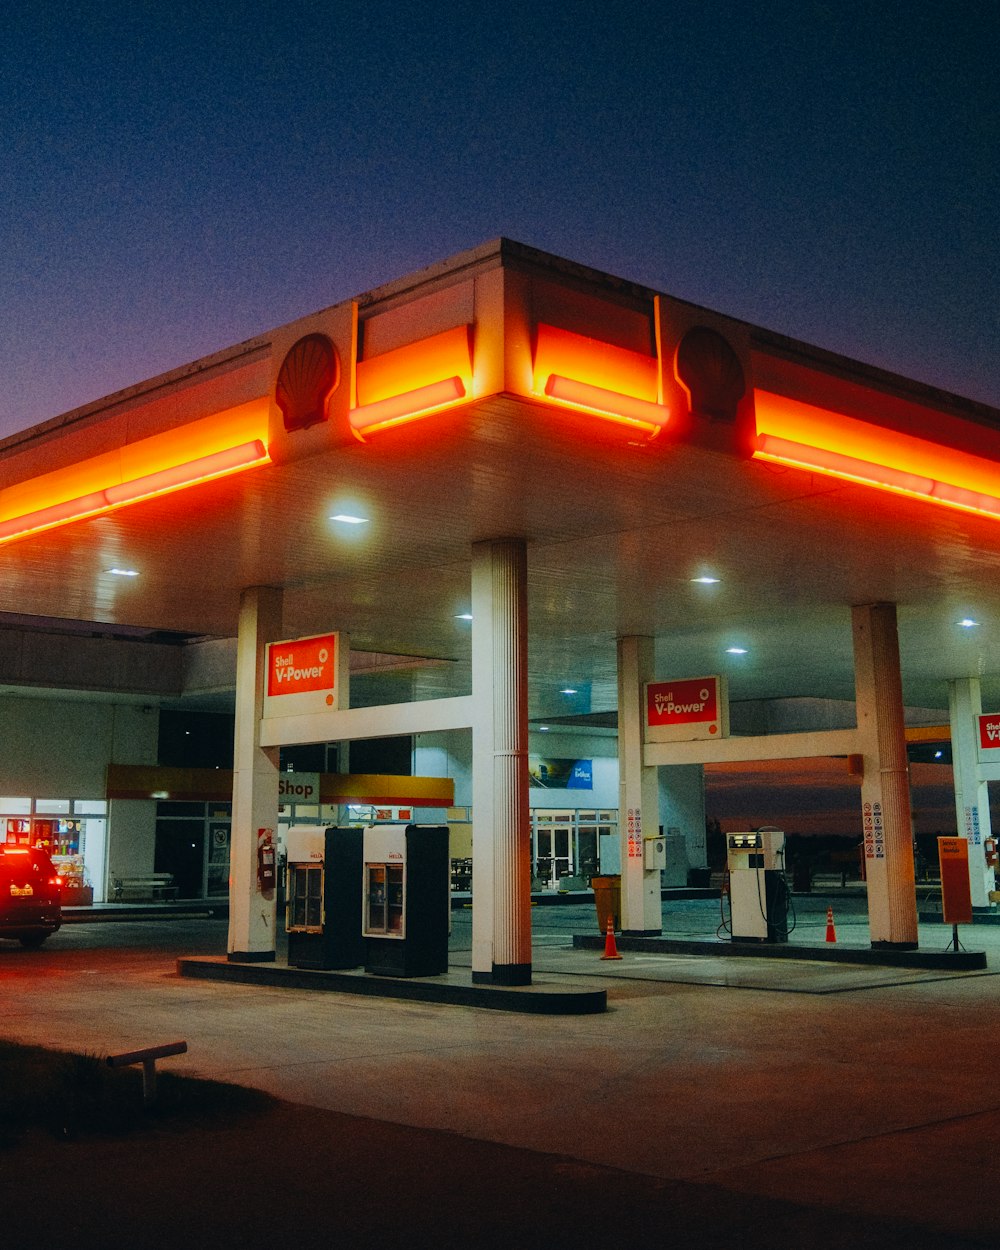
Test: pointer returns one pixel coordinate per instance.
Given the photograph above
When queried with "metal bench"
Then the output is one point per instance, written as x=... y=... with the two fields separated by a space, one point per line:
x=154 y=886
x=147 y=1057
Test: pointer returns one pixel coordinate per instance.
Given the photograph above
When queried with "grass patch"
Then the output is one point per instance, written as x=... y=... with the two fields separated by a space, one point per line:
x=71 y=1095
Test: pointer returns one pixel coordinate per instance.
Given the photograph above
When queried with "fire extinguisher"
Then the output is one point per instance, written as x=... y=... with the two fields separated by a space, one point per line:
x=266 y=868
x=990 y=847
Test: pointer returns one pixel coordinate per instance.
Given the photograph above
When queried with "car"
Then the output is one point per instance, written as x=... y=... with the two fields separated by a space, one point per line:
x=30 y=895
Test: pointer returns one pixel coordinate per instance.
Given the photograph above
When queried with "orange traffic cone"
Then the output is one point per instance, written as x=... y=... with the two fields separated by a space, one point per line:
x=610 y=946
x=831 y=932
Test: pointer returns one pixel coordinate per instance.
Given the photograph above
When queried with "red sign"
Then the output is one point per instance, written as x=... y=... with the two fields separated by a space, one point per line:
x=302 y=675
x=302 y=665
x=694 y=701
x=989 y=732
x=956 y=891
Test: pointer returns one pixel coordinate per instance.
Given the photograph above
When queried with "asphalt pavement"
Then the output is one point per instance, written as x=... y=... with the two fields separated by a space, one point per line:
x=836 y=1104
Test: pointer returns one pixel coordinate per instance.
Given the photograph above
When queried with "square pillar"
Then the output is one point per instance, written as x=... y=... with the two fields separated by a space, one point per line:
x=885 y=789
x=255 y=780
x=638 y=792
x=501 y=827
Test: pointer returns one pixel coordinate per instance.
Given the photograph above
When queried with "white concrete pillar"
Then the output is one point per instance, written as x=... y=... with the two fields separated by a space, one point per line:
x=885 y=789
x=255 y=780
x=638 y=795
x=501 y=827
x=972 y=803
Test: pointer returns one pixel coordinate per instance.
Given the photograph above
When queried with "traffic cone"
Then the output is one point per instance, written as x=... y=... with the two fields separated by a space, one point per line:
x=831 y=932
x=610 y=946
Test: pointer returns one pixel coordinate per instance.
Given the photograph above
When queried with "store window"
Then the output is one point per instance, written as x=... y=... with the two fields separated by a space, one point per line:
x=193 y=844
x=72 y=831
x=566 y=846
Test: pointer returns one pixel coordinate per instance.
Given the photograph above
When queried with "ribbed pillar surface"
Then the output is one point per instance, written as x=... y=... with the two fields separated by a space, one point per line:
x=885 y=791
x=255 y=779
x=501 y=825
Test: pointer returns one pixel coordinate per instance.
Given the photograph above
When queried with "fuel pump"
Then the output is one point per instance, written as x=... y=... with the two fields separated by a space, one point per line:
x=759 y=898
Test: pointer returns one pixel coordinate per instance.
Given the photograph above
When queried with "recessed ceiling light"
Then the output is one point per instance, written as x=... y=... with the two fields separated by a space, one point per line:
x=463 y=616
x=736 y=651
x=543 y=729
x=347 y=519
x=706 y=581
x=568 y=690
x=967 y=624
x=124 y=572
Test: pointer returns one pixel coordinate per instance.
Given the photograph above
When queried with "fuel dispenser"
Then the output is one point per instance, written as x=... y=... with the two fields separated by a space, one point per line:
x=322 y=897
x=407 y=876
x=758 y=892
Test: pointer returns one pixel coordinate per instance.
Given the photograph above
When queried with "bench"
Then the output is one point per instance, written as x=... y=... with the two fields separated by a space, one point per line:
x=147 y=1057
x=155 y=886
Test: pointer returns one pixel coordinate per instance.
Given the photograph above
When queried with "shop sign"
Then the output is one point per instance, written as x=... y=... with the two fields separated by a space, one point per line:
x=301 y=676
x=679 y=711
x=298 y=788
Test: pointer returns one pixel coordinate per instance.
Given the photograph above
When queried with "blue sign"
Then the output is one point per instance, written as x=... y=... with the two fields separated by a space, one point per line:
x=561 y=774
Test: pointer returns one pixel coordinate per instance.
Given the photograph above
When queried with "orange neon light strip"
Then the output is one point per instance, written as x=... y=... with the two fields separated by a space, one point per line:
x=408 y=406
x=601 y=379
x=884 y=477
x=612 y=405
x=205 y=468
x=413 y=381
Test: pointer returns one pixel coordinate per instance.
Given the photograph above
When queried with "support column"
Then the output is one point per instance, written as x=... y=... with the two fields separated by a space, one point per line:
x=638 y=793
x=972 y=803
x=885 y=790
x=501 y=828
x=255 y=781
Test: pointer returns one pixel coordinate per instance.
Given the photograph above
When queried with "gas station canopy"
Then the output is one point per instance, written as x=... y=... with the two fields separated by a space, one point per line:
x=675 y=474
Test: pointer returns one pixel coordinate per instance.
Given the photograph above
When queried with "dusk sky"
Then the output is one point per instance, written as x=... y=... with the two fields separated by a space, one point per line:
x=180 y=177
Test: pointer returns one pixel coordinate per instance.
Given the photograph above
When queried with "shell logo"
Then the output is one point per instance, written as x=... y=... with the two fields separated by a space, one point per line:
x=309 y=375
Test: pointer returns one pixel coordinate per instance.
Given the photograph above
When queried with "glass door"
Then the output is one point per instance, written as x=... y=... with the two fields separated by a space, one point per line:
x=304 y=908
x=375 y=898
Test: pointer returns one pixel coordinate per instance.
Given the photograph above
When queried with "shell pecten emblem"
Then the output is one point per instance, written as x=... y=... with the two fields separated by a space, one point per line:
x=309 y=375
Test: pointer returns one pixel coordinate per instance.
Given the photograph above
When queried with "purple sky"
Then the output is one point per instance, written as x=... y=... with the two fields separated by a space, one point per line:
x=176 y=178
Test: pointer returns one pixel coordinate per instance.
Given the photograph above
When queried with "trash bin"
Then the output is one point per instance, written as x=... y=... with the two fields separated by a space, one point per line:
x=608 y=898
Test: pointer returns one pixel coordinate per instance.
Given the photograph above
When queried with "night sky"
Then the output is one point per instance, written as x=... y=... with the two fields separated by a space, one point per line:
x=178 y=177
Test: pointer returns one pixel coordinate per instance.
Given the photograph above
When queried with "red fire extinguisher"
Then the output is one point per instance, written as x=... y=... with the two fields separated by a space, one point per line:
x=266 y=868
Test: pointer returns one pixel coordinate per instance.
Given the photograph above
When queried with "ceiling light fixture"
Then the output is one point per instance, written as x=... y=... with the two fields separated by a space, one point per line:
x=124 y=572
x=463 y=616
x=706 y=581
x=736 y=650
x=966 y=623
x=568 y=690
x=346 y=519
